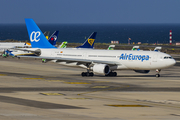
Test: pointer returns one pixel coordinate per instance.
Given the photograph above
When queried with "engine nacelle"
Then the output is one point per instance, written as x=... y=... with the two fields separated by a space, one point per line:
x=37 y=52
x=101 y=69
x=142 y=71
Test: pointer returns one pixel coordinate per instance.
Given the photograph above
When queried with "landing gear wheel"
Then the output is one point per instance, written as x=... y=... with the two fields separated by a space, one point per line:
x=112 y=74
x=157 y=72
x=157 y=75
x=115 y=73
x=87 y=74
x=83 y=74
x=91 y=74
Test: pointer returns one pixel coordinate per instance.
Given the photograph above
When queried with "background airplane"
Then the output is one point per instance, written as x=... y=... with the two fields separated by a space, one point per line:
x=89 y=43
x=63 y=44
x=5 y=46
x=111 y=47
x=46 y=34
x=52 y=39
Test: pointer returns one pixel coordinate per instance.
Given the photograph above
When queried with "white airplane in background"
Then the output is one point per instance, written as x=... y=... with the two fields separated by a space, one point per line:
x=52 y=39
x=88 y=44
x=94 y=60
x=7 y=45
x=111 y=47
x=4 y=46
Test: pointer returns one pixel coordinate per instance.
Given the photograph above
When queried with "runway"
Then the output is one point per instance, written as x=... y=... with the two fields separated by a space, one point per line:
x=30 y=89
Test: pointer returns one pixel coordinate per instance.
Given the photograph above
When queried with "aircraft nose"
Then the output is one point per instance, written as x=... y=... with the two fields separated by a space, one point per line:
x=172 y=62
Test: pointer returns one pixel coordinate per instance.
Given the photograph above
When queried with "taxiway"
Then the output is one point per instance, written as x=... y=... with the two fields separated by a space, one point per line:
x=30 y=89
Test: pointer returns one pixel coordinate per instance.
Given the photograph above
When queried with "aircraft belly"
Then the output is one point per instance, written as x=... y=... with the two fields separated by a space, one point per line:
x=137 y=65
x=162 y=64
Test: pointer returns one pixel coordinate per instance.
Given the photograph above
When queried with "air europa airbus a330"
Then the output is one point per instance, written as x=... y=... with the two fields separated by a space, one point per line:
x=94 y=60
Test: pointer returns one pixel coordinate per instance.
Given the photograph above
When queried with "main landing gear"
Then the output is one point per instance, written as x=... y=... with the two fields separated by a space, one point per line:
x=43 y=60
x=83 y=74
x=112 y=74
x=88 y=73
x=157 y=72
x=104 y=70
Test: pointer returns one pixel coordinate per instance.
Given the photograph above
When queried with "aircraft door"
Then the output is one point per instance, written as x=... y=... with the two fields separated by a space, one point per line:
x=84 y=55
x=53 y=53
x=155 y=58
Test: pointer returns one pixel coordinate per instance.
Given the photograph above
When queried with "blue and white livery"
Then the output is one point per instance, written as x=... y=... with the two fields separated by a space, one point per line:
x=36 y=37
x=125 y=56
x=95 y=60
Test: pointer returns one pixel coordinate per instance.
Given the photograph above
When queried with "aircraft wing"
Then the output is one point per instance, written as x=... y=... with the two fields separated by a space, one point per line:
x=59 y=59
x=35 y=51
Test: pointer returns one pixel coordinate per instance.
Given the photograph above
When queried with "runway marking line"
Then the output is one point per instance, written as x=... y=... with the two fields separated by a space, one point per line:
x=76 y=83
x=3 y=75
x=128 y=105
x=134 y=101
x=102 y=90
x=78 y=98
x=54 y=80
x=52 y=94
x=101 y=81
x=100 y=87
x=33 y=78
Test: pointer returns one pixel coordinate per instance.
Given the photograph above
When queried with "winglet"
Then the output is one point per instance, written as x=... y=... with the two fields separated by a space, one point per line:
x=89 y=43
x=36 y=37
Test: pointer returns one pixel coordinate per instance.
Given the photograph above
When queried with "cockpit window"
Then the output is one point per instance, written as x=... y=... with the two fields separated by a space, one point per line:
x=167 y=57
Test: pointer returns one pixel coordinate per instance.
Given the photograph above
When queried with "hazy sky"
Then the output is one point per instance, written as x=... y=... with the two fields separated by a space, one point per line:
x=90 y=11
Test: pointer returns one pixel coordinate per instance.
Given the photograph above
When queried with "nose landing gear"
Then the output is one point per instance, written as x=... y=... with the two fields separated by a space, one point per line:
x=157 y=72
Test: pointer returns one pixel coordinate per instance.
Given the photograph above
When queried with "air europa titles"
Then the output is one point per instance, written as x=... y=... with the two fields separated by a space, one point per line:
x=134 y=57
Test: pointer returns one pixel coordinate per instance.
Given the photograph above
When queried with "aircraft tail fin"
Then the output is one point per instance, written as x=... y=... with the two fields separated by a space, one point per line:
x=157 y=49
x=36 y=37
x=135 y=48
x=63 y=44
x=46 y=34
x=53 y=38
x=111 y=47
x=89 y=43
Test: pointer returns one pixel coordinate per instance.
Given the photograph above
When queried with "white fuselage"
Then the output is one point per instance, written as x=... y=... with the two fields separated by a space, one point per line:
x=20 y=52
x=124 y=59
x=8 y=45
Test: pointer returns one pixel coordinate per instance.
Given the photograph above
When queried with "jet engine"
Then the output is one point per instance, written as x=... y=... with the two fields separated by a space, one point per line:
x=142 y=71
x=37 y=52
x=101 y=69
